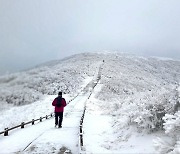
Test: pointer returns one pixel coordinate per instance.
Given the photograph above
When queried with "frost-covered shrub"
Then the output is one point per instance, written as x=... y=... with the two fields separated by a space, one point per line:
x=172 y=129
x=172 y=123
x=19 y=96
x=144 y=120
x=153 y=111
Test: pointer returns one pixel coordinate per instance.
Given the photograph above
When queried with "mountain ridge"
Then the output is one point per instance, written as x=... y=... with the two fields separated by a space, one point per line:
x=83 y=65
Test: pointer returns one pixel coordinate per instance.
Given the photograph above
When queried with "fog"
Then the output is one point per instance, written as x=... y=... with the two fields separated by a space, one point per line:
x=36 y=31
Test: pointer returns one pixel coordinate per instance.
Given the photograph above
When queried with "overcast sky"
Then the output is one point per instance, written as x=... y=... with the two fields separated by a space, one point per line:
x=36 y=31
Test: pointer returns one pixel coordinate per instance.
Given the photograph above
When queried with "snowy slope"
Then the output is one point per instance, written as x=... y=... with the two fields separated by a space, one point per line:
x=47 y=79
x=124 y=112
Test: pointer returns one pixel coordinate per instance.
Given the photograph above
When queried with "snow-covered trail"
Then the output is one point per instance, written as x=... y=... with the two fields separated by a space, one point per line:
x=44 y=137
x=55 y=139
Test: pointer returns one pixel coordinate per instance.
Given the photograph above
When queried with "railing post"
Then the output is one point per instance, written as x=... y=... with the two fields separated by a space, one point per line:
x=81 y=139
x=80 y=129
x=81 y=122
x=22 y=125
x=32 y=121
x=6 y=132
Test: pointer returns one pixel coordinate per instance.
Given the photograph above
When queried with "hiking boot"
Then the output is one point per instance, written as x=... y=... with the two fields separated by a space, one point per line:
x=59 y=126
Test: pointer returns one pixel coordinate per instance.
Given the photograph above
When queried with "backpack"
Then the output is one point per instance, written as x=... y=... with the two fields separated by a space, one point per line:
x=59 y=101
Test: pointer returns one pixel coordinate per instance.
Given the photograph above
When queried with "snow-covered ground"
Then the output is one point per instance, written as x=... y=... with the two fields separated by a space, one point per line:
x=44 y=136
x=133 y=109
x=99 y=136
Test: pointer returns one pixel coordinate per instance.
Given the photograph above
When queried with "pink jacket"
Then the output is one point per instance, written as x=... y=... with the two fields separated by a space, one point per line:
x=61 y=108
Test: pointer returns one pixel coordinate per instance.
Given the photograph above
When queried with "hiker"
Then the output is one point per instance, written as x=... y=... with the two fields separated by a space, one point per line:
x=59 y=104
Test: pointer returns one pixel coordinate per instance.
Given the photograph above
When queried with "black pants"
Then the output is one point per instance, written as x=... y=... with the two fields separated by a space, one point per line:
x=58 y=118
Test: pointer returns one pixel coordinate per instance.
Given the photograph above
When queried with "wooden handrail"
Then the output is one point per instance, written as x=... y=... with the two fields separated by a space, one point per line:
x=6 y=130
x=81 y=144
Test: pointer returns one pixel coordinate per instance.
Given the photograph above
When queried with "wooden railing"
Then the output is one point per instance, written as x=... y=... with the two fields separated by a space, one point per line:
x=81 y=144
x=6 y=130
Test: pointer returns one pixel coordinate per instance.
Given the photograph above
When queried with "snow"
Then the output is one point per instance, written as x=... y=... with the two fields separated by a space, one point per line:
x=26 y=112
x=44 y=136
x=99 y=136
x=96 y=133
x=123 y=114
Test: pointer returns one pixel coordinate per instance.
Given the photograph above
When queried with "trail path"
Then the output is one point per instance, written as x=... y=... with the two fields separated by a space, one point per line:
x=44 y=137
